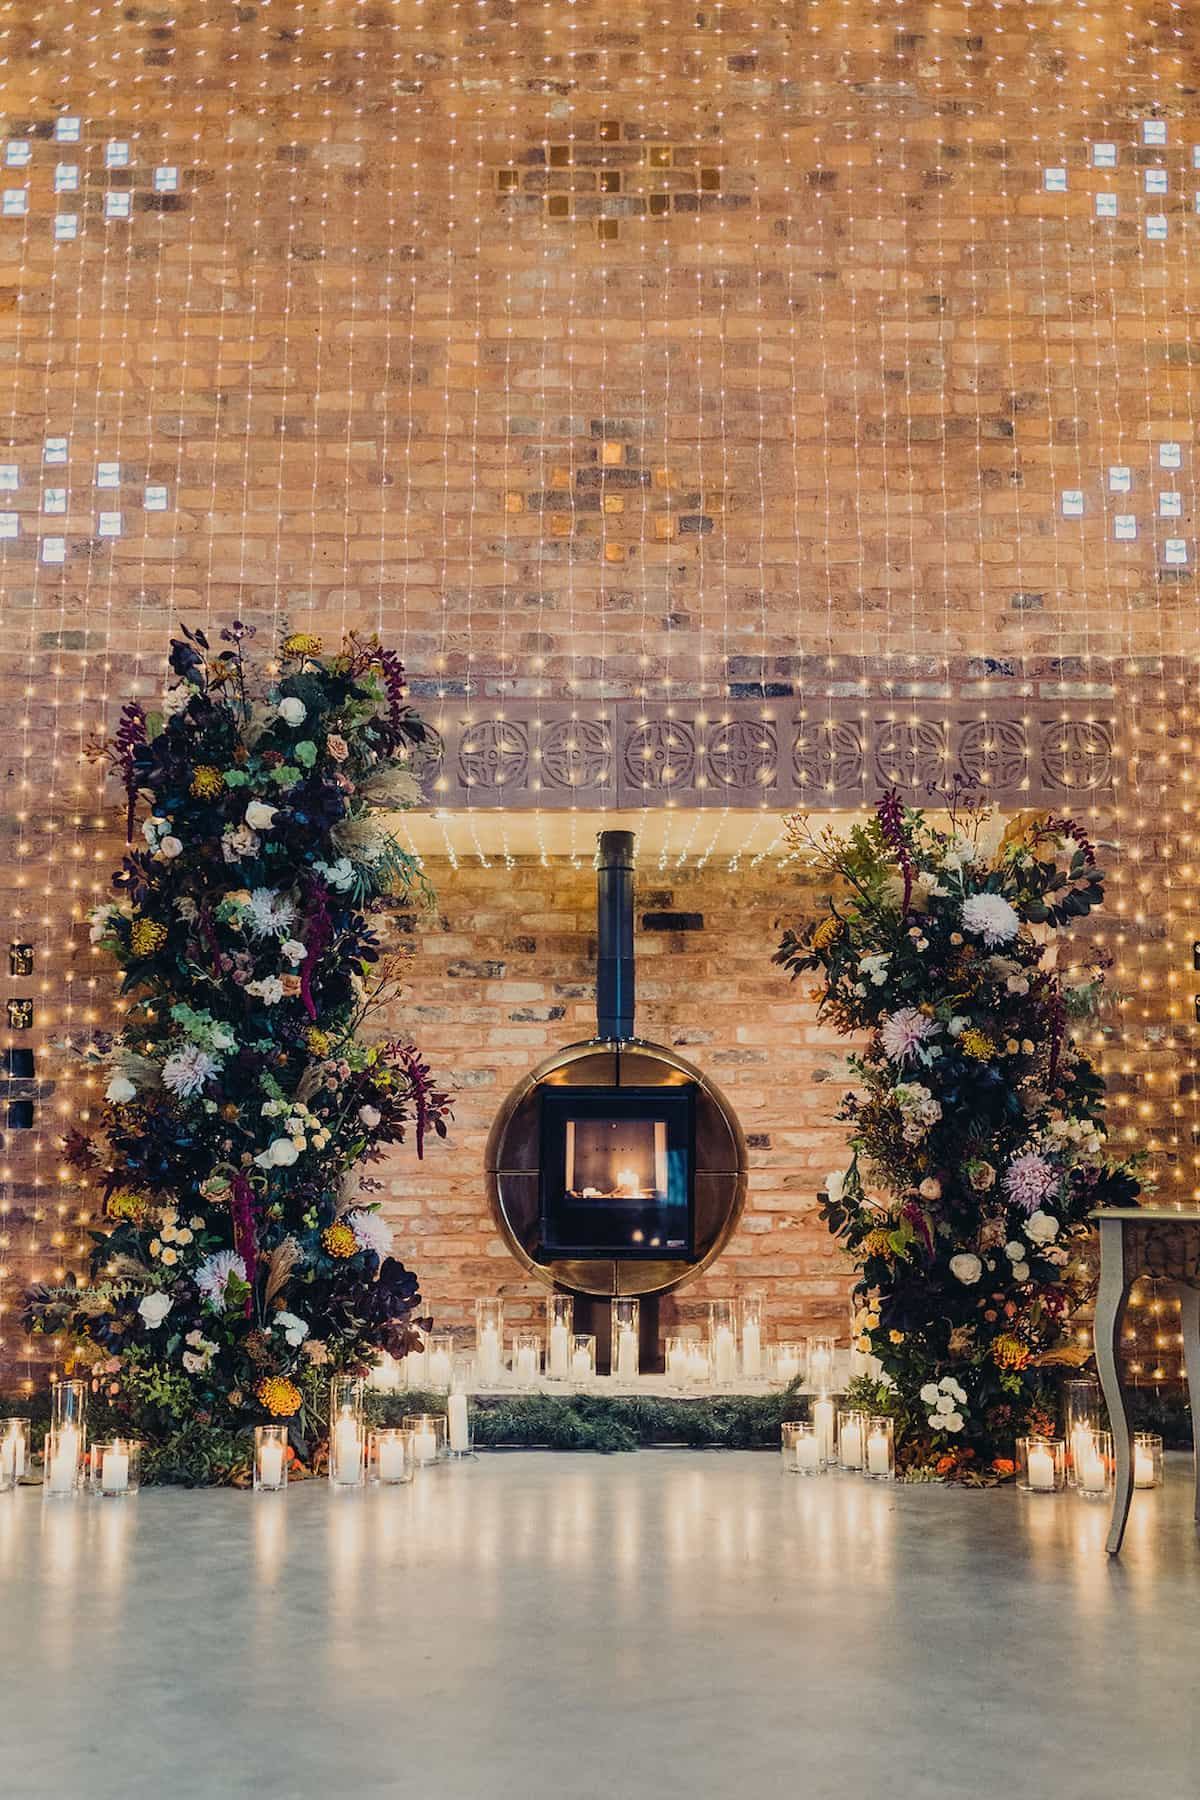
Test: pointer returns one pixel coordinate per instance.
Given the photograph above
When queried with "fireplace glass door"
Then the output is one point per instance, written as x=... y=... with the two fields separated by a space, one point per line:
x=616 y=1172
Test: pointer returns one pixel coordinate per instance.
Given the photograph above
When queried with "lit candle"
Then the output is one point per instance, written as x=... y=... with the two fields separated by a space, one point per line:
x=820 y=1371
x=1143 y=1466
x=489 y=1354
x=560 y=1352
x=270 y=1464
x=64 y=1461
x=439 y=1368
x=347 y=1449
x=581 y=1366
x=808 y=1452
x=697 y=1368
x=526 y=1364
x=724 y=1354
x=852 y=1444
x=12 y=1454
x=787 y=1363
x=456 y=1414
x=114 y=1469
x=751 y=1351
x=627 y=1354
x=414 y=1368
x=1093 y=1478
x=878 y=1460
x=822 y=1418
x=1041 y=1469
x=391 y=1458
x=425 y=1445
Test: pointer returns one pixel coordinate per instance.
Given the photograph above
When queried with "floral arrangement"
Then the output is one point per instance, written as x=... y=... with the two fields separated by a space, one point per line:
x=977 y=1125
x=244 y=1259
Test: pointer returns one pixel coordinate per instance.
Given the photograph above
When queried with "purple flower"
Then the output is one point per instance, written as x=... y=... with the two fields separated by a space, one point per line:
x=904 y=1032
x=1029 y=1180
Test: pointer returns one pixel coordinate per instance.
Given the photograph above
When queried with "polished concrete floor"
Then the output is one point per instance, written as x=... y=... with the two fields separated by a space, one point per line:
x=537 y=1627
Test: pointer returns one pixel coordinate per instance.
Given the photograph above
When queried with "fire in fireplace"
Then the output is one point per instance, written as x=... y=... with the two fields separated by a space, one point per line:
x=616 y=1172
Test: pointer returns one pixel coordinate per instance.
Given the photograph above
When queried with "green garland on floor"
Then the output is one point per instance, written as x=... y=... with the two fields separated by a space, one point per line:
x=205 y=1456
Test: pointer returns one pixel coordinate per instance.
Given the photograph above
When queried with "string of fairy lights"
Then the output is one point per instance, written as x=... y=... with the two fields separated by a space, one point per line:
x=594 y=353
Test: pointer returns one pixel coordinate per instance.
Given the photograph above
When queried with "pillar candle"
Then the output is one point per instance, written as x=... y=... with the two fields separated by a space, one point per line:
x=852 y=1444
x=751 y=1351
x=1041 y=1469
x=878 y=1461
x=724 y=1354
x=439 y=1369
x=527 y=1364
x=581 y=1366
x=391 y=1459
x=347 y=1449
x=808 y=1452
x=1093 y=1477
x=822 y=1418
x=425 y=1446
x=114 y=1471
x=1143 y=1467
x=64 y=1461
x=270 y=1464
x=456 y=1414
x=489 y=1354
x=12 y=1455
x=559 y=1352
x=627 y=1354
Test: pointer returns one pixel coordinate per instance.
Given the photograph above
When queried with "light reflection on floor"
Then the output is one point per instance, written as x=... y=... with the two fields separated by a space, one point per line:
x=539 y=1625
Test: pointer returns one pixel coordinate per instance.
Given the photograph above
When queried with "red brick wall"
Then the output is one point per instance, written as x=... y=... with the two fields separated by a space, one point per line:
x=679 y=349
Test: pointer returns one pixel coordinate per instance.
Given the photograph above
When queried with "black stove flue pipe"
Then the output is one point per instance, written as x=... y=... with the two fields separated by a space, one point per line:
x=614 y=936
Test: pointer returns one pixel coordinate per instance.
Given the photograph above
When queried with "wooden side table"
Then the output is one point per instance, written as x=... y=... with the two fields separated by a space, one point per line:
x=1165 y=1245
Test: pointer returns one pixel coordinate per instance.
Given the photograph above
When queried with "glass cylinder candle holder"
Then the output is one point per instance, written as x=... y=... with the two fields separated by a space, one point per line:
x=751 y=1309
x=66 y=1440
x=879 y=1455
x=820 y=1360
x=677 y=1359
x=626 y=1329
x=789 y=1362
x=722 y=1341
x=14 y=1452
x=392 y=1460
x=489 y=1342
x=347 y=1433
x=270 y=1459
x=1147 y=1459
x=416 y=1370
x=116 y=1468
x=824 y=1423
x=459 y=1437
x=801 y=1447
x=1041 y=1465
x=428 y=1431
x=526 y=1358
x=852 y=1440
x=1083 y=1411
x=560 y=1328
x=386 y=1376
x=439 y=1362
x=1094 y=1465
x=583 y=1356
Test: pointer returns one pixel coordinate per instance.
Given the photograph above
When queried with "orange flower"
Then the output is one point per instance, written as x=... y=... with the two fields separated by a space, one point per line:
x=945 y=1464
x=280 y=1396
x=1004 y=1465
x=290 y=985
x=338 y=1240
x=337 y=747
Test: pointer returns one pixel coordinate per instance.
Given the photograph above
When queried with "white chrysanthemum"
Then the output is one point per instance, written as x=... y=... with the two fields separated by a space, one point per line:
x=212 y=1277
x=185 y=1071
x=966 y=1267
x=175 y=699
x=990 y=917
x=904 y=1033
x=371 y=1232
x=269 y=913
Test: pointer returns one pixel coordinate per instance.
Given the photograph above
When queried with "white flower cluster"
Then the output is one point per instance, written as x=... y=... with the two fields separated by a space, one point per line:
x=292 y=1326
x=945 y=1399
x=1078 y=1136
x=160 y=838
x=197 y=1358
x=919 y=1109
x=302 y=1130
x=339 y=875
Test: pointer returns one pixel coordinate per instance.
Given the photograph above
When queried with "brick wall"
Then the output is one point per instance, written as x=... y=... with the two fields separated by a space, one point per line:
x=690 y=351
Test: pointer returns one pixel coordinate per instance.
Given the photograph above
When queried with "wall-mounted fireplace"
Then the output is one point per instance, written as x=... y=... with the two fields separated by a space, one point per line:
x=616 y=1167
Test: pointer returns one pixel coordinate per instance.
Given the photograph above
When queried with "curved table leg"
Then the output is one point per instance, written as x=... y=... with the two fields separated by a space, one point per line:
x=1110 y=1312
x=1189 y=1325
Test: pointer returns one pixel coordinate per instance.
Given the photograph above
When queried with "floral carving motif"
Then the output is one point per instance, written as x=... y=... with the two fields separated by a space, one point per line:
x=994 y=753
x=1076 y=754
x=494 y=753
x=911 y=753
x=661 y=754
x=577 y=753
x=744 y=753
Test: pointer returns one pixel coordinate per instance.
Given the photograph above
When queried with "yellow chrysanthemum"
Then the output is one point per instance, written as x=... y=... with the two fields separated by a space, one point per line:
x=877 y=1243
x=827 y=932
x=301 y=643
x=339 y=1240
x=977 y=1045
x=207 y=783
x=124 y=1205
x=1010 y=1353
x=147 y=936
x=317 y=1040
x=280 y=1396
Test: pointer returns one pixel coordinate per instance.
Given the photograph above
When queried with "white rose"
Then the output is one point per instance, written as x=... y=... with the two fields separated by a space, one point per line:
x=120 y=1090
x=283 y=1152
x=293 y=1328
x=260 y=816
x=1015 y=1252
x=369 y=1116
x=154 y=1309
x=834 y=1183
x=1020 y=1272
x=966 y=1267
x=292 y=711
x=194 y=1364
x=169 y=846
x=929 y=1394
x=294 y=950
x=1042 y=1227
x=151 y=828
x=951 y=1421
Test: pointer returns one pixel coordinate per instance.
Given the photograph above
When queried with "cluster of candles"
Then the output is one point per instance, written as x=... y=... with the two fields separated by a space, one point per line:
x=1083 y=1458
x=857 y=1442
x=71 y=1465
x=387 y=1456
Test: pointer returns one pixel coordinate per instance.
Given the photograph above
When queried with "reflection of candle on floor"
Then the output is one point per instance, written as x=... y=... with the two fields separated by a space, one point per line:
x=852 y=1444
x=425 y=1445
x=724 y=1354
x=347 y=1449
x=456 y=1414
x=1143 y=1466
x=114 y=1471
x=878 y=1461
x=391 y=1458
x=489 y=1354
x=808 y=1452
x=751 y=1351
x=560 y=1352
x=1041 y=1469
x=270 y=1465
x=822 y=1418
x=64 y=1461
x=627 y=1354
